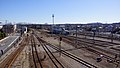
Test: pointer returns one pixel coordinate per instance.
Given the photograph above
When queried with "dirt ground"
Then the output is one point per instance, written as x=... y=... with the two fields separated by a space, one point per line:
x=25 y=59
x=82 y=53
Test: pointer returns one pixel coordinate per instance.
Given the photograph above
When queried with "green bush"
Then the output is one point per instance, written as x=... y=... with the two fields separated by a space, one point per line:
x=2 y=35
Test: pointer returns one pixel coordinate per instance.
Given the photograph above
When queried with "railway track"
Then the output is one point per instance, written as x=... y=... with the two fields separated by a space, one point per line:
x=7 y=63
x=49 y=53
x=86 y=64
x=37 y=63
x=115 y=37
x=87 y=40
x=92 y=47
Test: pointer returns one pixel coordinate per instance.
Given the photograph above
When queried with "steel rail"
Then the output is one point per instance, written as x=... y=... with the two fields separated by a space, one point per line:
x=49 y=50
x=48 y=53
x=93 y=48
x=34 y=46
x=37 y=53
x=33 y=54
x=74 y=57
x=54 y=56
x=7 y=63
x=71 y=56
x=50 y=56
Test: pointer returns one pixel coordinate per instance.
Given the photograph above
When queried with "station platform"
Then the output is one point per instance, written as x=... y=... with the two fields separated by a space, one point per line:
x=7 y=43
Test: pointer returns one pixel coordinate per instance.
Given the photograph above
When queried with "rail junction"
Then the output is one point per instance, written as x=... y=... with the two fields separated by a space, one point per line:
x=39 y=49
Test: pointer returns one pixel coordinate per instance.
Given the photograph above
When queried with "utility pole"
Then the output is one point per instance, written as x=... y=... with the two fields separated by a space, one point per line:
x=94 y=30
x=112 y=35
x=93 y=36
x=85 y=33
x=77 y=34
x=53 y=22
x=6 y=27
x=60 y=46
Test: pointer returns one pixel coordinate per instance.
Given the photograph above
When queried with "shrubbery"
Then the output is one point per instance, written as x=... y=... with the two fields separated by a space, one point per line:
x=2 y=35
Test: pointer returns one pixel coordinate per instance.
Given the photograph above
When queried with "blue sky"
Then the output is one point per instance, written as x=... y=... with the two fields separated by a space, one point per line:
x=65 y=11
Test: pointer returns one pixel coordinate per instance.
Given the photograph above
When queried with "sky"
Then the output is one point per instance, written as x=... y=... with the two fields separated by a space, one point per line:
x=65 y=11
